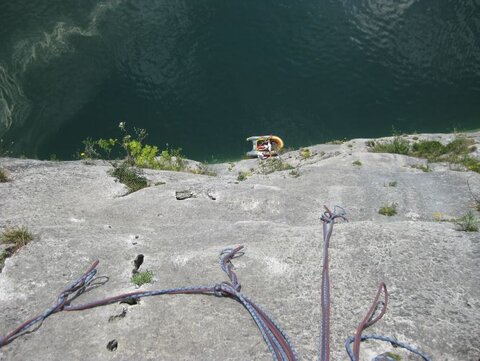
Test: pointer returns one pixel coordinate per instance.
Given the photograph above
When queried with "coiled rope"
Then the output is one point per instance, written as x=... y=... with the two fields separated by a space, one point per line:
x=328 y=219
x=276 y=339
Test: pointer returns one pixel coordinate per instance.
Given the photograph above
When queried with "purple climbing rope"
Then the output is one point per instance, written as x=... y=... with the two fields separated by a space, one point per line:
x=276 y=339
x=328 y=219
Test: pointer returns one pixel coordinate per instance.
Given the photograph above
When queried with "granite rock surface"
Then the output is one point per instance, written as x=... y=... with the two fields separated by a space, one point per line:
x=79 y=213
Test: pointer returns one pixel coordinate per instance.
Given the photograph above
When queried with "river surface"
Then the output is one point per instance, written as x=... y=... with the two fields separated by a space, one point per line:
x=205 y=75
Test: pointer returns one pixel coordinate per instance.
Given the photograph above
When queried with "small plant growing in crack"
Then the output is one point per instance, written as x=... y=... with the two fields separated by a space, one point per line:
x=357 y=163
x=294 y=173
x=476 y=198
x=18 y=236
x=243 y=176
x=15 y=238
x=388 y=210
x=468 y=222
x=140 y=278
x=130 y=177
x=305 y=153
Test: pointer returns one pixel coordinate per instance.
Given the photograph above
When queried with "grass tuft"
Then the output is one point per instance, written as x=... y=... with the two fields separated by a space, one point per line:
x=468 y=222
x=305 y=153
x=388 y=210
x=243 y=176
x=398 y=145
x=430 y=149
x=294 y=173
x=18 y=236
x=456 y=152
x=140 y=278
x=357 y=162
x=130 y=177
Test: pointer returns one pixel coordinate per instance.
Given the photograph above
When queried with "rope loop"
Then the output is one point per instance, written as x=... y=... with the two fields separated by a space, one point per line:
x=338 y=212
x=224 y=289
x=226 y=264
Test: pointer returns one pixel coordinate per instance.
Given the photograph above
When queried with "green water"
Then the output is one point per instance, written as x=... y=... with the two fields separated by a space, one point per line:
x=205 y=75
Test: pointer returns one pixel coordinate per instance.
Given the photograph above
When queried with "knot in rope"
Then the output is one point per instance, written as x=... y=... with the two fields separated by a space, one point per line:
x=225 y=289
x=338 y=212
x=226 y=264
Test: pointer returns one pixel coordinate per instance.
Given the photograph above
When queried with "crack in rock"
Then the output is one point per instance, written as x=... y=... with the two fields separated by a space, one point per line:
x=119 y=316
x=137 y=262
x=112 y=345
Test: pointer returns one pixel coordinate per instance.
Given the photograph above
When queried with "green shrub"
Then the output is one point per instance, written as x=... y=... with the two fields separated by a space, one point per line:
x=140 y=278
x=388 y=210
x=305 y=153
x=460 y=145
x=172 y=159
x=130 y=177
x=89 y=150
x=456 y=152
x=430 y=149
x=468 y=222
x=357 y=162
x=135 y=152
x=398 y=145
x=18 y=236
x=470 y=163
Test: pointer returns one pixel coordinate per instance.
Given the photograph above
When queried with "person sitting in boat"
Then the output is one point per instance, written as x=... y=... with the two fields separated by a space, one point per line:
x=266 y=145
x=269 y=146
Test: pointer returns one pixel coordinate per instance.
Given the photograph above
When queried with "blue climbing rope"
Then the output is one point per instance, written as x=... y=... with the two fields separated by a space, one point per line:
x=328 y=219
x=276 y=339
x=392 y=341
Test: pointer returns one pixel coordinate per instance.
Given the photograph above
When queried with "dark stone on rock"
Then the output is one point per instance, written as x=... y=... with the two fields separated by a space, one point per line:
x=181 y=195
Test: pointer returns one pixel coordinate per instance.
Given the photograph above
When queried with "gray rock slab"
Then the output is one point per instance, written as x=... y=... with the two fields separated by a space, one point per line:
x=79 y=213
